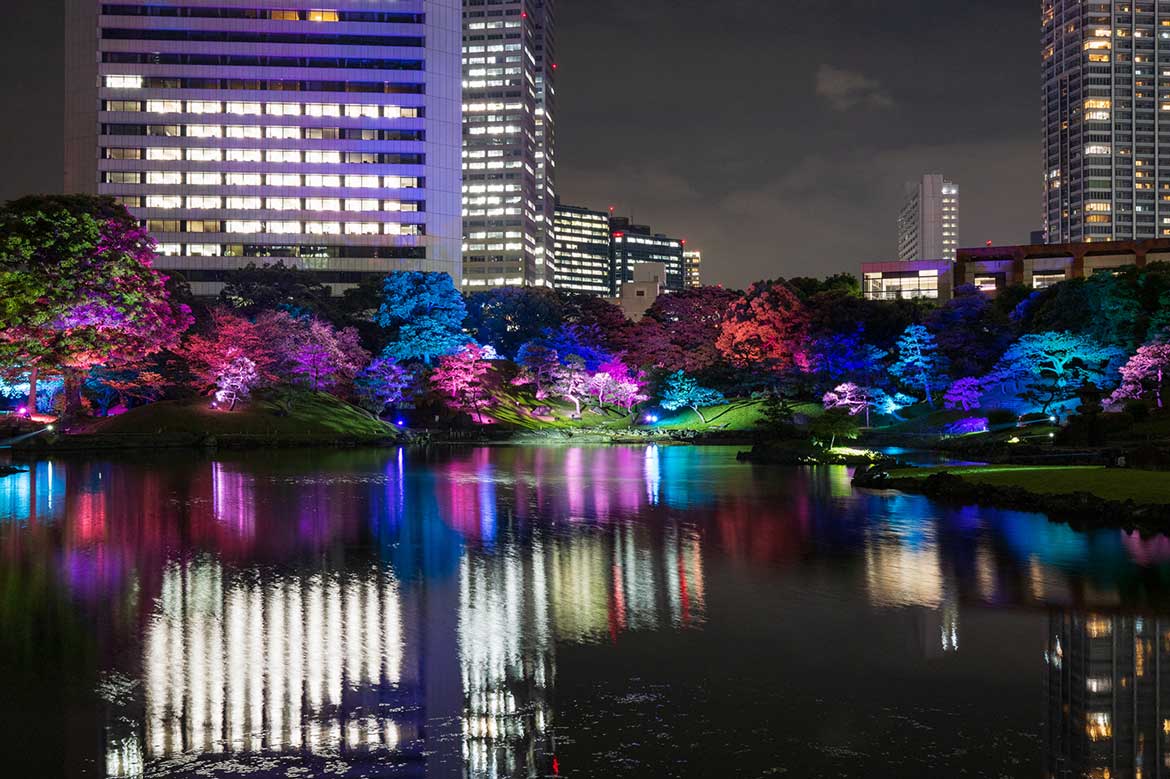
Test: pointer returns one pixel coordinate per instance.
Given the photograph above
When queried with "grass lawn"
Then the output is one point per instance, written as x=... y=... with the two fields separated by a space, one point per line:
x=314 y=415
x=739 y=415
x=1150 y=487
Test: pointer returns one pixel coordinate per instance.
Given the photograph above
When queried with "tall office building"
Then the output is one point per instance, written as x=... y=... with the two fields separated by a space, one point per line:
x=928 y=224
x=634 y=244
x=509 y=140
x=693 y=268
x=255 y=131
x=1107 y=139
x=583 y=251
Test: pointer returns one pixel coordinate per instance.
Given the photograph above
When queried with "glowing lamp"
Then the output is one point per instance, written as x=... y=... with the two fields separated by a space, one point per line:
x=49 y=428
x=400 y=422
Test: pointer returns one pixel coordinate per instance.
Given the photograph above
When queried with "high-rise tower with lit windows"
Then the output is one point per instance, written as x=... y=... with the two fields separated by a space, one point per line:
x=1106 y=106
x=928 y=224
x=509 y=143
x=324 y=135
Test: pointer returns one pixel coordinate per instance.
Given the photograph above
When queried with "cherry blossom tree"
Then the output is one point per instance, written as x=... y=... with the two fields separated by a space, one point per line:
x=570 y=381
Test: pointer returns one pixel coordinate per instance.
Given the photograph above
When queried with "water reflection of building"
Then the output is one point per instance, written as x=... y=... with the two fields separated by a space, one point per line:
x=1107 y=682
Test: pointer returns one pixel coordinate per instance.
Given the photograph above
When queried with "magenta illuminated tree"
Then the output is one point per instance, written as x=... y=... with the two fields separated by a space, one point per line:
x=615 y=384
x=79 y=290
x=463 y=378
x=322 y=357
x=570 y=381
x=1145 y=374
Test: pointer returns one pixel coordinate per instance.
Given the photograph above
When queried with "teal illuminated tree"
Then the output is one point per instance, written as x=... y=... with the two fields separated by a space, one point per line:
x=425 y=313
x=918 y=364
x=78 y=289
x=1050 y=368
x=682 y=391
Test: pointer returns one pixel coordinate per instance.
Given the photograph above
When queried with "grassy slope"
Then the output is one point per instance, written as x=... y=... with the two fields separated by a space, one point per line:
x=741 y=415
x=1152 y=487
x=314 y=415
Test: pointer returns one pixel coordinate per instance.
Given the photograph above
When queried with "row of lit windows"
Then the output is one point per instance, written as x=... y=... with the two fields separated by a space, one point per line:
x=256 y=226
x=175 y=154
x=237 y=203
x=254 y=108
x=116 y=9
x=173 y=178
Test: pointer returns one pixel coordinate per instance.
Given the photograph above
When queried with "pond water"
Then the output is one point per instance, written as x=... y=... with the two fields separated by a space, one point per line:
x=578 y=612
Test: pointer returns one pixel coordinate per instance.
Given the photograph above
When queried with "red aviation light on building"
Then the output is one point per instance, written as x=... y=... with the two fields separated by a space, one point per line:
x=619 y=235
x=683 y=241
x=990 y=244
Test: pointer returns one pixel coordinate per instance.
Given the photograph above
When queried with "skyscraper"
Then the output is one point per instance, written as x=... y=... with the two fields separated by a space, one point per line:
x=693 y=268
x=634 y=244
x=583 y=251
x=928 y=224
x=509 y=140
x=241 y=133
x=1106 y=141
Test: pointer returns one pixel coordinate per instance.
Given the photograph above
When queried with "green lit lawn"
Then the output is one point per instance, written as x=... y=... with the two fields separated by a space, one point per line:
x=314 y=415
x=738 y=415
x=1110 y=484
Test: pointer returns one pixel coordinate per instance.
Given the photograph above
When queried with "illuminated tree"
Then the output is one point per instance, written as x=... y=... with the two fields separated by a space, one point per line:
x=323 y=358
x=840 y=357
x=509 y=317
x=584 y=341
x=571 y=382
x=614 y=384
x=425 y=313
x=971 y=333
x=850 y=397
x=463 y=378
x=1145 y=375
x=254 y=289
x=235 y=382
x=965 y=393
x=1048 y=368
x=685 y=326
x=538 y=366
x=383 y=382
x=766 y=328
x=682 y=391
x=918 y=363
x=229 y=337
x=79 y=289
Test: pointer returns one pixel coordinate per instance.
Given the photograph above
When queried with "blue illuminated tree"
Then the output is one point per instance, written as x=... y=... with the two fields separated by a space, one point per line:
x=918 y=364
x=1050 y=368
x=682 y=391
x=382 y=383
x=425 y=313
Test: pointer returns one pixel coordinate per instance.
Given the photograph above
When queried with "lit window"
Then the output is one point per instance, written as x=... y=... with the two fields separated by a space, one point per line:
x=245 y=227
x=323 y=16
x=124 y=82
x=156 y=153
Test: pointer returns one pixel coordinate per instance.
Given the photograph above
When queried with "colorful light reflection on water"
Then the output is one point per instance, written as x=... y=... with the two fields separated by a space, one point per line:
x=491 y=612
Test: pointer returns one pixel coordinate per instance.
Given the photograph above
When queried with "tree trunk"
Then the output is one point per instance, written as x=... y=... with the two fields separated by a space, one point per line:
x=72 y=393
x=833 y=442
x=1161 y=387
x=700 y=413
x=32 y=388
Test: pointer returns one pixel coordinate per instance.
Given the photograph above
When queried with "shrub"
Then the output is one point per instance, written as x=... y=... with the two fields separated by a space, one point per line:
x=1001 y=417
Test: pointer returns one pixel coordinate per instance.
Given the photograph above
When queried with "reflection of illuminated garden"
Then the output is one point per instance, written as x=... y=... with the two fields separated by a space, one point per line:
x=410 y=619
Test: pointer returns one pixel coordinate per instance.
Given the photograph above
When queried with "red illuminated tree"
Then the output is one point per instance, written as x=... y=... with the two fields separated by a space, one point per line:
x=765 y=329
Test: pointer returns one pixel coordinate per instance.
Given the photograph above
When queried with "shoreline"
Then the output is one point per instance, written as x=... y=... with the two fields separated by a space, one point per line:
x=1081 y=509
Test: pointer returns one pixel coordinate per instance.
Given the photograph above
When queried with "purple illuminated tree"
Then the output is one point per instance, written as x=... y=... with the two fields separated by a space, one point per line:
x=235 y=382
x=463 y=378
x=918 y=362
x=383 y=382
x=615 y=384
x=848 y=396
x=682 y=391
x=1145 y=375
x=78 y=289
x=323 y=358
x=966 y=393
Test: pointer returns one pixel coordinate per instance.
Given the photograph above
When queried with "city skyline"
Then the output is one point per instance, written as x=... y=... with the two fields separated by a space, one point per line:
x=829 y=178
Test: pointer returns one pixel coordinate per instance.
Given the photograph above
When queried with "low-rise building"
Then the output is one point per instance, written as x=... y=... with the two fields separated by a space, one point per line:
x=930 y=279
x=635 y=297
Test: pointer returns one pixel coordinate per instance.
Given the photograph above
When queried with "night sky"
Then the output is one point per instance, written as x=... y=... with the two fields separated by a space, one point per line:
x=776 y=135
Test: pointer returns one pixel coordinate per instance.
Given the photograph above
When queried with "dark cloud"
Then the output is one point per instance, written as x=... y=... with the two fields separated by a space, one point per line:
x=844 y=89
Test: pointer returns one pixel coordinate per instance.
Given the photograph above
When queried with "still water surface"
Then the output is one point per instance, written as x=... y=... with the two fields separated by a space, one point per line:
x=578 y=612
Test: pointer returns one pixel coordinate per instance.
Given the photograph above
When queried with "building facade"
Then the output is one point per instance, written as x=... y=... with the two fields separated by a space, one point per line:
x=693 y=268
x=634 y=244
x=509 y=142
x=995 y=268
x=272 y=131
x=583 y=251
x=928 y=224
x=1105 y=96
x=636 y=296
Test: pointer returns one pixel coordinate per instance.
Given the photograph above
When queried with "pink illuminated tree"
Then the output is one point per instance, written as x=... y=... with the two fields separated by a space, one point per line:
x=322 y=357
x=1145 y=375
x=463 y=378
x=228 y=338
x=570 y=381
x=78 y=290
